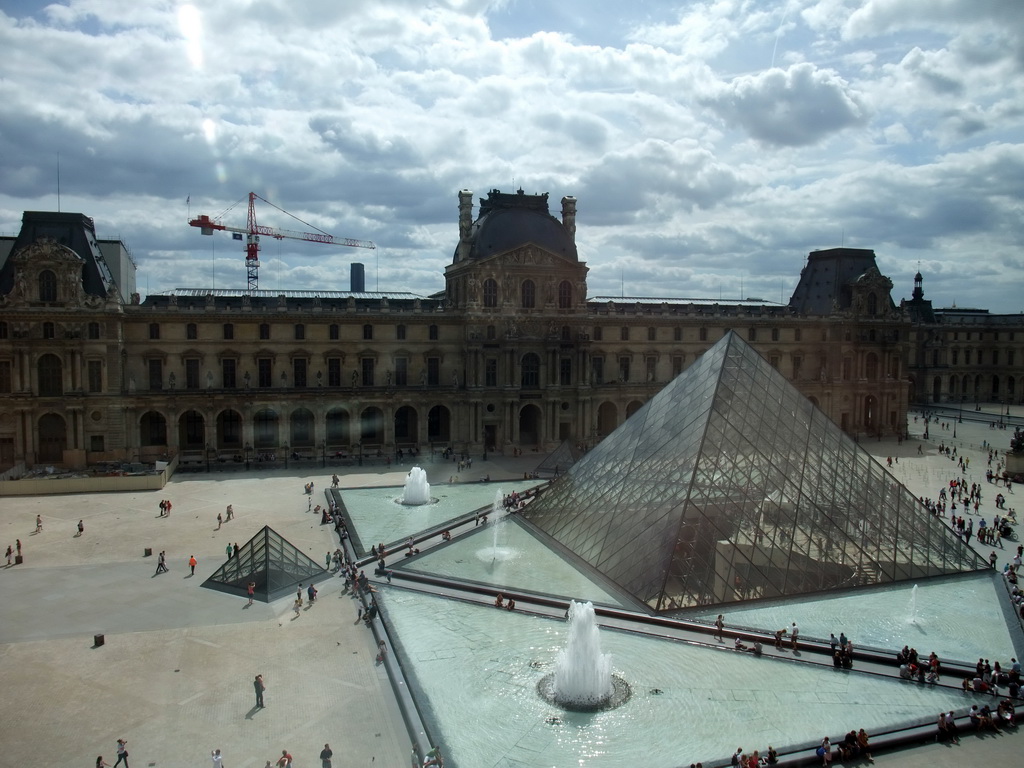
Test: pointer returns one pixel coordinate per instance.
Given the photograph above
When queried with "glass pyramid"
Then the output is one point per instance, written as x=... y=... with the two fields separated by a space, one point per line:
x=730 y=485
x=275 y=564
x=559 y=460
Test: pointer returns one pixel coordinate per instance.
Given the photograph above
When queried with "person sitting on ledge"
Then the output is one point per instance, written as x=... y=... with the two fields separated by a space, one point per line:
x=738 y=645
x=499 y=601
x=511 y=605
x=758 y=649
x=1006 y=712
x=446 y=536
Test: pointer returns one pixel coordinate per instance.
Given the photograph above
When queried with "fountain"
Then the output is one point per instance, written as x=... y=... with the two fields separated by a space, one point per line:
x=583 y=679
x=417 y=489
x=912 y=608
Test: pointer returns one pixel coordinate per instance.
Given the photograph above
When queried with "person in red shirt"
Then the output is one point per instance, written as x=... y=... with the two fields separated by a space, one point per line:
x=192 y=563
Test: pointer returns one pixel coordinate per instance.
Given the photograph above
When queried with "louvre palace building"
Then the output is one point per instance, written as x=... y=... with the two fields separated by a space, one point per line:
x=512 y=355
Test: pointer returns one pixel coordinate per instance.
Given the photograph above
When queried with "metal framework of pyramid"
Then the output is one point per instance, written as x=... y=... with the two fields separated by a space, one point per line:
x=275 y=564
x=559 y=460
x=730 y=485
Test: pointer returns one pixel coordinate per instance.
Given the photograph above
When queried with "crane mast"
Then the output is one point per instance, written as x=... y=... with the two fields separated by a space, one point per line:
x=254 y=230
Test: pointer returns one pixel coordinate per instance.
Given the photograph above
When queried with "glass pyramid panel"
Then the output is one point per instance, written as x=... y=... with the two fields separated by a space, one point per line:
x=276 y=566
x=729 y=485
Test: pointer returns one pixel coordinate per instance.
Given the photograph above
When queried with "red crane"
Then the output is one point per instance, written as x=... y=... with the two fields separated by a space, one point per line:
x=253 y=231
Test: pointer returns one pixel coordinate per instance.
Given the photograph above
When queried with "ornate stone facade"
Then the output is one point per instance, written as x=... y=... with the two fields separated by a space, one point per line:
x=513 y=354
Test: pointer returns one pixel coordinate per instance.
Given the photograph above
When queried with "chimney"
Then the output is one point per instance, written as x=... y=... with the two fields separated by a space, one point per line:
x=465 y=222
x=358 y=279
x=569 y=216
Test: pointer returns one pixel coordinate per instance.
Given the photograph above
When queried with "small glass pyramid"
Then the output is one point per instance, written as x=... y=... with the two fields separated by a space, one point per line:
x=275 y=564
x=730 y=485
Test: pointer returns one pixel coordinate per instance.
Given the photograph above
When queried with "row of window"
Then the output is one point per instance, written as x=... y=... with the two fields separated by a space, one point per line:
x=527 y=294
x=298 y=330
x=955 y=357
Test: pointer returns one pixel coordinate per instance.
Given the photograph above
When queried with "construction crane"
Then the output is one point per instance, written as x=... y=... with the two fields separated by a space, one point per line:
x=253 y=231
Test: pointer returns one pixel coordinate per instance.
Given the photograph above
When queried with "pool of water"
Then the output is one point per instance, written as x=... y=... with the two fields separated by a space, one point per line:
x=507 y=557
x=378 y=517
x=474 y=671
x=957 y=618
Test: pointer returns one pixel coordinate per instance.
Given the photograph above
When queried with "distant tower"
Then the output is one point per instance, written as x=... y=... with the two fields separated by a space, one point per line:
x=358 y=278
x=465 y=223
x=918 y=293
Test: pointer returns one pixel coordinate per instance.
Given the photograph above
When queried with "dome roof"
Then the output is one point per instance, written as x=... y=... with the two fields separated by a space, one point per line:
x=509 y=221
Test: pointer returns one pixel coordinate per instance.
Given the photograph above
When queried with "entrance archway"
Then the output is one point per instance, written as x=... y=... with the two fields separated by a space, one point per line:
x=439 y=424
x=607 y=419
x=406 y=427
x=530 y=425
x=338 y=422
x=301 y=428
x=152 y=429
x=229 y=430
x=264 y=429
x=191 y=431
x=371 y=426
x=53 y=438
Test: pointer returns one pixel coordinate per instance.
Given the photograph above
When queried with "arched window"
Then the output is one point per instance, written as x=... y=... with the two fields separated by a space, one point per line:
x=490 y=292
x=565 y=295
x=529 y=294
x=531 y=371
x=47 y=286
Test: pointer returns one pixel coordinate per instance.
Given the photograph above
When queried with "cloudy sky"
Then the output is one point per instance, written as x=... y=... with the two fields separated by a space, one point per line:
x=711 y=145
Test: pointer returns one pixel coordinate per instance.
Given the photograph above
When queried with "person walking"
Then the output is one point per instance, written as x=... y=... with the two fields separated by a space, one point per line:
x=39 y=523
x=10 y=553
x=217 y=758
x=719 y=623
x=122 y=752
x=17 y=546
x=325 y=756
x=230 y=512
x=227 y=550
x=258 y=685
x=192 y=563
x=161 y=563
x=251 y=589
x=236 y=550
x=81 y=528
x=220 y=520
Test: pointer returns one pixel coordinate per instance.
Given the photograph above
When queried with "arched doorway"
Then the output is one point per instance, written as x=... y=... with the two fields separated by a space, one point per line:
x=439 y=424
x=530 y=425
x=871 y=412
x=53 y=438
x=152 y=429
x=264 y=429
x=995 y=387
x=633 y=407
x=301 y=429
x=191 y=431
x=406 y=428
x=338 y=430
x=371 y=426
x=607 y=419
x=229 y=430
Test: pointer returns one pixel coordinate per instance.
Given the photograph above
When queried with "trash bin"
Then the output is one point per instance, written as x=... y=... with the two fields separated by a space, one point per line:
x=147 y=552
x=97 y=640
x=18 y=559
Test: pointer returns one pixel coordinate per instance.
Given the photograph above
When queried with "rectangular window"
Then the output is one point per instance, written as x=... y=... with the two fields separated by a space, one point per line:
x=797 y=365
x=490 y=372
x=773 y=361
x=752 y=334
x=677 y=366
x=229 y=331
x=94 y=330
x=154 y=331
x=623 y=369
x=956 y=357
x=227 y=373
x=333 y=333
x=598 y=333
x=400 y=332
x=433 y=371
x=652 y=366
x=995 y=357
x=334 y=372
x=300 y=332
x=48 y=330
x=94 y=373
x=401 y=371
x=1009 y=357
x=96 y=443
x=367 y=365
x=192 y=373
x=367 y=332
x=264 y=331
x=847 y=369
x=299 y=367
x=433 y=334
x=597 y=370
x=677 y=333
x=702 y=334
x=5 y=377
x=264 y=372
x=191 y=331
x=652 y=334
x=796 y=334
x=624 y=333
x=565 y=371
x=156 y=374
x=775 y=334
x=967 y=357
